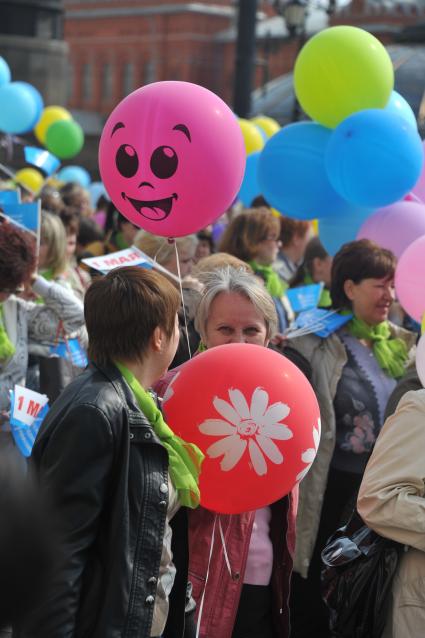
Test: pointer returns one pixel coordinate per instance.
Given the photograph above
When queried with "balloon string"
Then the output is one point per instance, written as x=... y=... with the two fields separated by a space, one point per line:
x=183 y=304
x=201 y=605
x=223 y=542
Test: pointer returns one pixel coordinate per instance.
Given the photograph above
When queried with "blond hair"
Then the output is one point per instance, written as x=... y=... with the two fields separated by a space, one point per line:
x=159 y=248
x=53 y=234
x=239 y=281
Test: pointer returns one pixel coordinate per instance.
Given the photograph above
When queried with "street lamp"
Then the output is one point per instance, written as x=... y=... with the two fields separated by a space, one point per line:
x=294 y=13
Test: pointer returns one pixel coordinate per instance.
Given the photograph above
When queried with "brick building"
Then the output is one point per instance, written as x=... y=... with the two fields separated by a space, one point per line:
x=118 y=45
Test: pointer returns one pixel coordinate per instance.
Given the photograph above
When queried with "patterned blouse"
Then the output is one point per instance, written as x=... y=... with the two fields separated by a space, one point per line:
x=361 y=396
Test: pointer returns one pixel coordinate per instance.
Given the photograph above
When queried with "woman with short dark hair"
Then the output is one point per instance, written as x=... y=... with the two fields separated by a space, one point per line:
x=23 y=321
x=117 y=477
x=354 y=372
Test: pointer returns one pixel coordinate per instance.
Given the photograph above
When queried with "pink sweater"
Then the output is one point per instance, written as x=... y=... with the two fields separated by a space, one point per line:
x=260 y=554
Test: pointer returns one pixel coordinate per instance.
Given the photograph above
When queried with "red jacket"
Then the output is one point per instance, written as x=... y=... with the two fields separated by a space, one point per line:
x=222 y=591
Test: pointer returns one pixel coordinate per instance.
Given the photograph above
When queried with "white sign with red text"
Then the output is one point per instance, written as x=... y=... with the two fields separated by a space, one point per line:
x=27 y=405
x=128 y=257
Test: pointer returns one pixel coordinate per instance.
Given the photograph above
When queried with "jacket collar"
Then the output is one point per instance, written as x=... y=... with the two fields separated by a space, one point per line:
x=135 y=415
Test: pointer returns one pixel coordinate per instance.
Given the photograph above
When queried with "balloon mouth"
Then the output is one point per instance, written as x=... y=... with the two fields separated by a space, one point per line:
x=156 y=209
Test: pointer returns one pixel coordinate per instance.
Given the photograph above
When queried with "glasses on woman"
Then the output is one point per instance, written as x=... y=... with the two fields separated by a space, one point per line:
x=13 y=291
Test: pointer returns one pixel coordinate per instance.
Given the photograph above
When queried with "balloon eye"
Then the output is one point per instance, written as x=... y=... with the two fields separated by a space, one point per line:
x=164 y=162
x=127 y=161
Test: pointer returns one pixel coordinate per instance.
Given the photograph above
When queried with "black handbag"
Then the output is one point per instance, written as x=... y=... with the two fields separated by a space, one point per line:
x=357 y=573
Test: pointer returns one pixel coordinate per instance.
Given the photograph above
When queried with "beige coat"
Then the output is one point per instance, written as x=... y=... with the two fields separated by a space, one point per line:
x=327 y=358
x=392 y=502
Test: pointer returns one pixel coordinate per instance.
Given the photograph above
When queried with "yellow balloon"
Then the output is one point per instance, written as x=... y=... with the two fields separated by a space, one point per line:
x=55 y=183
x=251 y=136
x=342 y=70
x=315 y=226
x=266 y=124
x=50 y=115
x=30 y=179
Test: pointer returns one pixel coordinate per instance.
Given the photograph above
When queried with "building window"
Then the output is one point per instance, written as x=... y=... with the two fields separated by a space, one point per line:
x=149 y=72
x=87 y=82
x=107 y=82
x=128 y=78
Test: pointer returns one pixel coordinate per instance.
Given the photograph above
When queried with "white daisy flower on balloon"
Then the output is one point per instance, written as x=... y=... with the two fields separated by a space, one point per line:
x=309 y=455
x=249 y=427
x=169 y=392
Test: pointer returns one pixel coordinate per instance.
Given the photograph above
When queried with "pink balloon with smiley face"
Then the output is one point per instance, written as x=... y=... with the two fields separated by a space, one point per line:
x=172 y=157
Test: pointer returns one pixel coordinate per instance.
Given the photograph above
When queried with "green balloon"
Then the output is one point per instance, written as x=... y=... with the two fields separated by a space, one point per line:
x=64 y=138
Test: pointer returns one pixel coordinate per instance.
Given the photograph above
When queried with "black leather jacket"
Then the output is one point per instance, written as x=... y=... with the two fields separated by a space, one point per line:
x=106 y=474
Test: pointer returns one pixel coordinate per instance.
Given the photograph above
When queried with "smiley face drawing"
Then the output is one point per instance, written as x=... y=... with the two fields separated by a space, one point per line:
x=171 y=157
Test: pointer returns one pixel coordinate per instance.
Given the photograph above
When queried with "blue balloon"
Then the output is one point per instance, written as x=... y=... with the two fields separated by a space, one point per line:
x=263 y=133
x=292 y=175
x=5 y=74
x=96 y=189
x=75 y=174
x=374 y=158
x=37 y=98
x=333 y=233
x=18 y=108
x=398 y=105
x=250 y=188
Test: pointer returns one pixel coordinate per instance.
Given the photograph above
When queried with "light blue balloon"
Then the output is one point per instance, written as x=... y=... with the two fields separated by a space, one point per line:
x=250 y=188
x=75 y=174
x=96 y=189
x=5 y=74
x=335 y=232
x=374 y=158
x=263 y=133
x=18 y=108
x=292 y=175
x=398 y=105
x=37 y=98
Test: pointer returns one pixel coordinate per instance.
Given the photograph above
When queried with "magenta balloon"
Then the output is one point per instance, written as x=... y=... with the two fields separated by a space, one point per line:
x=410 y=279
x=419 y=189
x=395 y=227
x=172 y=157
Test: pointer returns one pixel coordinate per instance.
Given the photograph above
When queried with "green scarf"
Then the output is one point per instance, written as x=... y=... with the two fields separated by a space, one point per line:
x=325 y=300
x=7 y=349
x=48 y=276
x=390 y=353
x=274 y=284
x=120 y=242
x=185 y=459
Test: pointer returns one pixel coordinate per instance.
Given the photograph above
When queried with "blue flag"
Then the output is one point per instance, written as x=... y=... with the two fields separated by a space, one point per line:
x=26 y=214
x=304 y=297
x=72 y=351
x=42 y=159
x=23 y=433
x=9 y=197
x=322 y=322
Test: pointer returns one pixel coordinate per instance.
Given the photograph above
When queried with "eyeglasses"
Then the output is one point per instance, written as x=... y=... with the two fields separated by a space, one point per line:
x=15 y=291
x=276 y=239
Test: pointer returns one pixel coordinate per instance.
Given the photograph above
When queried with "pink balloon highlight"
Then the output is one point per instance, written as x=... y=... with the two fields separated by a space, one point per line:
x=395 y=227
x=172 y=157
x=410 y=279
x=419 y=189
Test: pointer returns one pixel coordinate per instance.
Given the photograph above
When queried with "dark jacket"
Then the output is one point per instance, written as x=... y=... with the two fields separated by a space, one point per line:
x=106 y=475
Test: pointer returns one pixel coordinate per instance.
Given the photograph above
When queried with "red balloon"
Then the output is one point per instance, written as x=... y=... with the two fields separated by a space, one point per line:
x=254 y=415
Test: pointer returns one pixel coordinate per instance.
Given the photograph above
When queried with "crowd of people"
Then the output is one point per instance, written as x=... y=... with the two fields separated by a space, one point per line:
x=133 y=553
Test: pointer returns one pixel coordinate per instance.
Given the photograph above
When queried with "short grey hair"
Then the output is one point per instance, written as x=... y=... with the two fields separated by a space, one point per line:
x=241 y=282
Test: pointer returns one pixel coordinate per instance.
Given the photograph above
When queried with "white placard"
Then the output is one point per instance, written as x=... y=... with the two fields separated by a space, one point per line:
x=27 y=404
x=128 y=257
